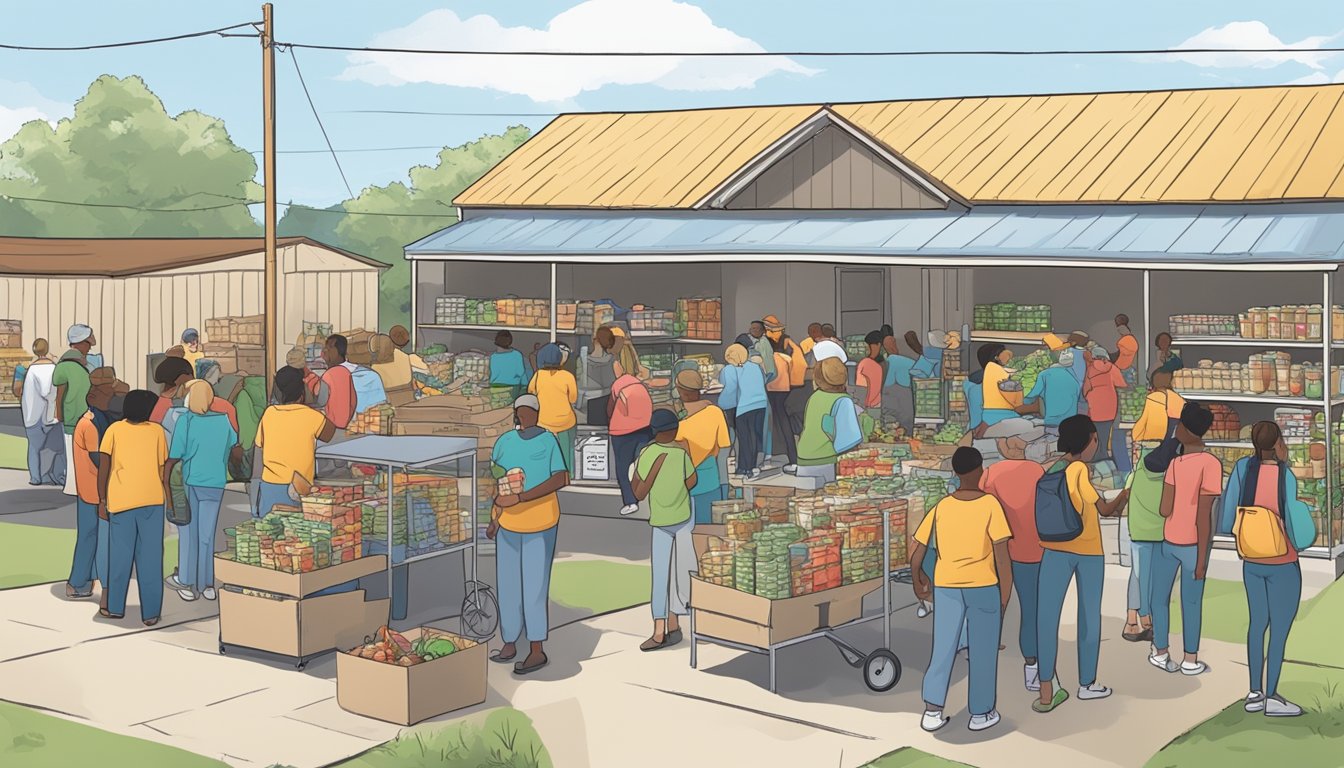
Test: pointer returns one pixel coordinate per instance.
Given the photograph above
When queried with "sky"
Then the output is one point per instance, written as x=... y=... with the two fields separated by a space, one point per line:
x=221 y=77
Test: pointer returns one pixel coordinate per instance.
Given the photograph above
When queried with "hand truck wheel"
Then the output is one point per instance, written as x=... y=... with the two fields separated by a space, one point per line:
x=881 y=670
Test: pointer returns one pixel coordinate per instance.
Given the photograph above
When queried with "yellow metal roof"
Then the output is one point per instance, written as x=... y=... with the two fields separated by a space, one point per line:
x=1216 y=145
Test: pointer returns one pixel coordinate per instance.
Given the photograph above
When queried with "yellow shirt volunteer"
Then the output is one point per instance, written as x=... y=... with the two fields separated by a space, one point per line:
x=995 y=375
x=1157 y=408
x=705 y=433
x=557 y=391
x=287 y=437
x=964 y=535
x=138 y=454
x=193 y=357
x=1084 y=497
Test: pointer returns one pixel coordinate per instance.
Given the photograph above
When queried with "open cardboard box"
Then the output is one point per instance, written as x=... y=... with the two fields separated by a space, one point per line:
x=299 y=628
x=230 y=571
x=729 y=614
x=408 y=695
x=704 y=536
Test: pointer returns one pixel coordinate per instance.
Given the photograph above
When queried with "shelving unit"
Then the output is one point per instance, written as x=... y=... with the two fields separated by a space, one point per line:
x=654 y=339
x=509 y=328
x=1234 y=397
x=1237 y=341
x=1024 y=338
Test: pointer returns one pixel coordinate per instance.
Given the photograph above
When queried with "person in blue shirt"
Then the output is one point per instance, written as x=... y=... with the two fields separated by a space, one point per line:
x=1055 y=394
x=508 y=367
x=1078 y=343
x=749 y=415
x=898 y=398
x=930 y=362
x=204 y=442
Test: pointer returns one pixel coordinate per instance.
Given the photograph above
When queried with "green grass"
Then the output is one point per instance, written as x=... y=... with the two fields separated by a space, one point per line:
x=13 y=452
x=1225 y=617
x=599 y=585
x=36 y=554
x=32 y=739
x=500 y=738
x=909 y=757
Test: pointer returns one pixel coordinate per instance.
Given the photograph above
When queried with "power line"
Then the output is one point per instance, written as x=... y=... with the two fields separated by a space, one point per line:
x=817 y=54
x=320 y=126
x=129 y=43
x=123 y=207
x=238 y=201
x=449 y=114
x=348 y=151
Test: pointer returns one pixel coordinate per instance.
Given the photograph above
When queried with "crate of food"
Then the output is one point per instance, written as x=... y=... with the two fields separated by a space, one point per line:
x=408 y=677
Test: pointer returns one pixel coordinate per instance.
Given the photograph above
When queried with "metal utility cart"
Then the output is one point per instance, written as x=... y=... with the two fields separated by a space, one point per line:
x=881 y=668
x=480 y=609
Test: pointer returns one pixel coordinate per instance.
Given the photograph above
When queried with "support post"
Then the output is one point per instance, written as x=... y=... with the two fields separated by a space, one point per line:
x=1144 y=342
x=554 y=313
x=271 y=273
x=1327 y=347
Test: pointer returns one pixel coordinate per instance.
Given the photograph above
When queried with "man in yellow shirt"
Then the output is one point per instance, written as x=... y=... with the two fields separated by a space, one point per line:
x=973 y=581
x=132 y=488
x=286 y=442
x=1080 y=558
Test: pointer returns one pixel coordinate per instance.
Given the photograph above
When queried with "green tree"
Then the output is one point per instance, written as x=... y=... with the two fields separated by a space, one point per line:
x=121 y=148
x=423 y=207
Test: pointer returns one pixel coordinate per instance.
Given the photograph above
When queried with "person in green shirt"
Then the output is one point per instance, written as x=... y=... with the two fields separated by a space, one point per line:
x=665 y=476
x=71 y=380
x=1143 y=525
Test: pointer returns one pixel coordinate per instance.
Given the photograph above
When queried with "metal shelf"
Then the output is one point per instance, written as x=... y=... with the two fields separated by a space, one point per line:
x=1030 y=338
x=509 y=328
x=638 y=339
x=1237 y=341
x=1233 y=397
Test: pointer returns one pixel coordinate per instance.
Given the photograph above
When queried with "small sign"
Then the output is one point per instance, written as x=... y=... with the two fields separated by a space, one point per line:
x=594 y=461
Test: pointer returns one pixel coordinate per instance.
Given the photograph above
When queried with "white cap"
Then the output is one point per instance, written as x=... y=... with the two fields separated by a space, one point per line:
x=527 y=401
x=78 y=333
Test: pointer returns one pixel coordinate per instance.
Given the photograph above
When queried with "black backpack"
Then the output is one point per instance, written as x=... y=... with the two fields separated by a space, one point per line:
x=1057 y=519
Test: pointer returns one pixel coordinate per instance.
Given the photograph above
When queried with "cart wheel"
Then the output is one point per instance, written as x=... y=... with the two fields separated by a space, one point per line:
x=221 y=649
x=301 y=665
x=480 y=611
x=882 y=670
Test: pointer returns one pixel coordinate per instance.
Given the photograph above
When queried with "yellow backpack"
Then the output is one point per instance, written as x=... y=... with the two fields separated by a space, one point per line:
x=1259 y=531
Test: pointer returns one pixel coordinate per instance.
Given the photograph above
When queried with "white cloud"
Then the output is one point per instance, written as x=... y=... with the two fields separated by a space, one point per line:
x=1318 y=78
x=1251 y=34
x=593 y=25
x=21 y=103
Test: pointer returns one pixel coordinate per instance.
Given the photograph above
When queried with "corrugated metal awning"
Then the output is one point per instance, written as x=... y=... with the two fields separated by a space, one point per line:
x=1238 y=237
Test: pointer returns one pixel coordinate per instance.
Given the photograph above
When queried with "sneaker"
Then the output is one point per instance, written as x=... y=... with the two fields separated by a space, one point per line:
x=790 y=469
x=1163 y=662
x=172 y=582
x=923 y=610
x=1031 y=676
x=984 y=722
x=755 y=473
x=1277 y=706
x=1060 y=697
x=1093 y=692
x=209 y=593
x=629 y=509
x=933 y=721
x=1255 y=702
x=187 y=595
x=1192 y=668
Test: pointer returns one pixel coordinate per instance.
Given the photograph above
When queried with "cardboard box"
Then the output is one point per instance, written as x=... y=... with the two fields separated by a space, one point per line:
x=251 y=360
x=449 y=407
x=298 y=628
x=728 y=614
x=704 y=536
x=229 y=571
x=408 y=695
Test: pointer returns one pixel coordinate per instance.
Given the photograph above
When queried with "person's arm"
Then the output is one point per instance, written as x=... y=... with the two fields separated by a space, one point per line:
x=689 y=470
x=1168 y=497
x=60 y=403
x=923 y=589
x=323 y=394
x=104 y=477
x=328 y=431
x=643 y=485
x=1003 y=564
x=1113 y=507
x=1204 y=535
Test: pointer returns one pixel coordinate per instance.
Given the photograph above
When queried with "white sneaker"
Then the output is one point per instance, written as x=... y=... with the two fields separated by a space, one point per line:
x=209 y=593
x=790 y=469
x=984 y=722
x=1031 y=676
x=1192 y=668
x=755 y=473
x=1277 y=706
x=933 y=721
x=1163 y=662
x=187 y=595
x=629 y=509
x=173 y=583
x=924 y=609
x=1255 y=702
x=1093 y=692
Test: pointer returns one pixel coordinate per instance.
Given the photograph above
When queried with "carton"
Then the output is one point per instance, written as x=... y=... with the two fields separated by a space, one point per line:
x=298 y=627
x=704 y=536
x=407 y=695
x=230 y=571
x=728 y=614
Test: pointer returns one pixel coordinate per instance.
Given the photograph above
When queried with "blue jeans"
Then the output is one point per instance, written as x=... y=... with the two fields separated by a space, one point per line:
x=673 y=560
x=625 y=448
x=196 y=540
x=46 y=454
x=1120 y=450
x=1170 y=559
x=1272 y=594
x=90 y=548
x=1026 y=583
x=523 y=571
x=1057 y=570
x=269 y=495
x=977 y=608
x=1142 y=557
x=749 y=426
x=135 y=537
x=707 y=489
x=929 y=566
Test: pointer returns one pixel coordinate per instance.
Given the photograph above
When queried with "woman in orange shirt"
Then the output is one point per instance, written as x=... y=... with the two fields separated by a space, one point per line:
x=777 y=393
x=557 y=390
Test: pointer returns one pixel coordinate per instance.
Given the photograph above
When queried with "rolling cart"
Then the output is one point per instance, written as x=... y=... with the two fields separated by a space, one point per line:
x=881 y=668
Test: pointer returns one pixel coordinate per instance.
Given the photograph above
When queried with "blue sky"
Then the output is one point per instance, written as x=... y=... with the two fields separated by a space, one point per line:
x=221 y=77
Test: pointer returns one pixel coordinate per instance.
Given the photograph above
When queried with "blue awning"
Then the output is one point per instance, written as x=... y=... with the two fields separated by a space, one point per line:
x=1308 y=234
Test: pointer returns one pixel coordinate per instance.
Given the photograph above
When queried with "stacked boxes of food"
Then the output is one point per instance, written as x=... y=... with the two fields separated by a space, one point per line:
x=591 y=315
x=716 y=567
x=928 y=398
x=1294 y=423
x=566 y=315
x=719 y=510
x=870 y=459
x=523 y=313
x=855 y=347
x=1226 y=423
x=450 y=310
x=773 y=504
x=473 y=366
x=13 y=358
x=1203 y=325
x=744 y=567
x=1132 y=400
x=651 y=322
x=236 y=343
x=1007 y=316
x=814 y=564
x=375 y=420
x=774 y=579
x=742 y=526
x=702 y=318
x=342 y=519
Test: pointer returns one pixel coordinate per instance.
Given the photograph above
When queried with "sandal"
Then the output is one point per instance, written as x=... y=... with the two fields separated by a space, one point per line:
x=499 y=658
x=151 y=622
x=523 y=669
x=1060 y=697
x=655 y=645
x=107 y=615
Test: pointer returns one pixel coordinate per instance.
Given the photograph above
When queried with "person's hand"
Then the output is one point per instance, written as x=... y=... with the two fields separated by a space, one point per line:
x=923 y=590
x=1201 y=570
x=979 y=432
x=492 y=530
x=102 y=510
x=507 y=500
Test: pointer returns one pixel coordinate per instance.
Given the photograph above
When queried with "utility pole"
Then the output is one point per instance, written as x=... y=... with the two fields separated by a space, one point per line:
x=271 y=275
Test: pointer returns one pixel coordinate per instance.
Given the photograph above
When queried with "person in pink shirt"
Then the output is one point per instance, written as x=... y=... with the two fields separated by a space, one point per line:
x=1013 y=482
x=338 y=385
x=869 y=376
x=1193 y=482
x=1100 y=387
x=629 y=410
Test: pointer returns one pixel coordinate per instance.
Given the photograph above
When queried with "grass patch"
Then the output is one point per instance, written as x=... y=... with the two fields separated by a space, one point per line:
x=32 y=739
x=500 y=738
x=13 y=452
x=599 y=585
x=1235 y=739
x=909 y=757
x=1225 y=615
x=36 y=554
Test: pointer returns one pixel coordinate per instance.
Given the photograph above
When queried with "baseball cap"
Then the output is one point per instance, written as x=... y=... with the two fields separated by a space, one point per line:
x=663 y=420
x=190 y=335
x=691 y=380
x=527 y=401
x=78 y=332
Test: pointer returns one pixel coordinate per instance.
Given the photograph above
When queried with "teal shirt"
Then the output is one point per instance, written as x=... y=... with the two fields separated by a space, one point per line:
x=509 y=369
x=898 y=371
x=1058 y=391
x=539 y=457
x=202 y=443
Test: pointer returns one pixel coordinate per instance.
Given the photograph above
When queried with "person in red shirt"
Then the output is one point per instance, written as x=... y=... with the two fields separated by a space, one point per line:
x=1013 y=482
x=337 y=398
x=1100 y=387
x=869 y=376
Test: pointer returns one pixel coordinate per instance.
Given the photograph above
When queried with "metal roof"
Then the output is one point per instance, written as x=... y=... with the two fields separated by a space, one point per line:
x=1192 y=146
x=1153 y=236
x=124 y=257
